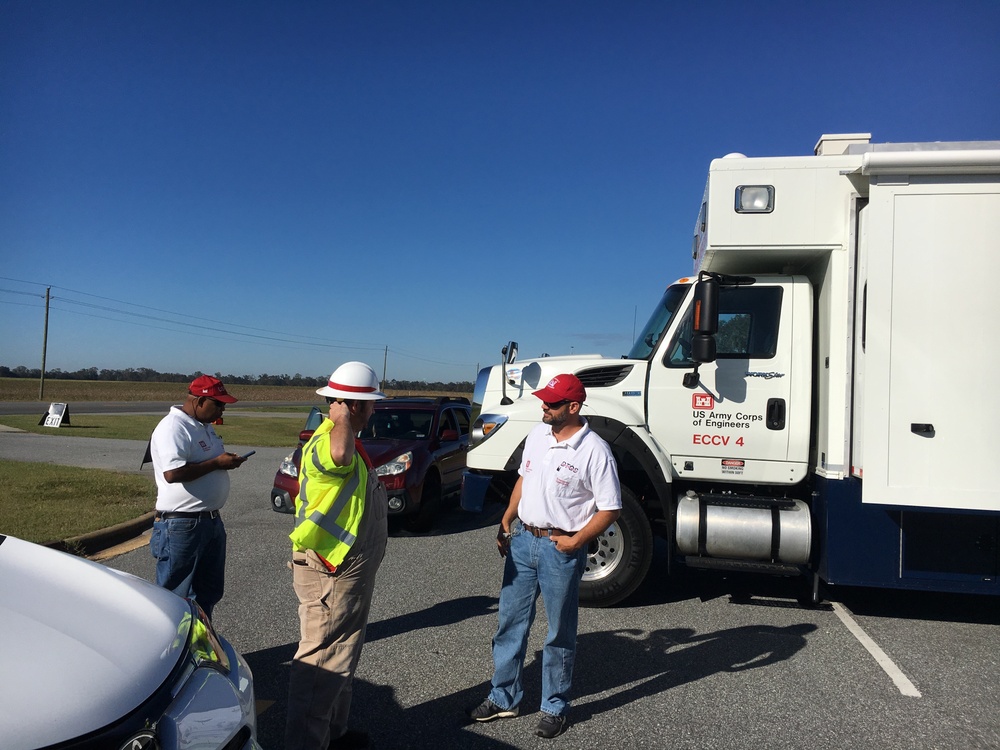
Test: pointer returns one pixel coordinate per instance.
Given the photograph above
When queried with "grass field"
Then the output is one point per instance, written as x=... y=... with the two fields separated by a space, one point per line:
x=78 y=501
x=241 y=429
x=67 y=391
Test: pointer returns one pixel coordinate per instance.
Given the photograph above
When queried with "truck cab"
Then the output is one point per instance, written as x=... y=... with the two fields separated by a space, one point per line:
x=793 y=406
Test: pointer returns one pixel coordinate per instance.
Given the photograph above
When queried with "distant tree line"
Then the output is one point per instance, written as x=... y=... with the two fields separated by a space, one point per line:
x=146 y=375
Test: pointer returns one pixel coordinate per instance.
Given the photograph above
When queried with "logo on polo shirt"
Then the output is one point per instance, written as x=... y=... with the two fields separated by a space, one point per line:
x=203 y=444
x=569 y=467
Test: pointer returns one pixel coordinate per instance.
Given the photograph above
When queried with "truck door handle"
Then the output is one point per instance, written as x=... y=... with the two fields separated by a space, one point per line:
x=776 y=414
x=919 y=428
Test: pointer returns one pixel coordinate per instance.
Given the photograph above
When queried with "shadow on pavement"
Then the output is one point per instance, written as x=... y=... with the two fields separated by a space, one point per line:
x=649 y=662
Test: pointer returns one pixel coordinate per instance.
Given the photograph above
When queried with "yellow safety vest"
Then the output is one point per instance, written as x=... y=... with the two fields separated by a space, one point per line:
x=330 y=502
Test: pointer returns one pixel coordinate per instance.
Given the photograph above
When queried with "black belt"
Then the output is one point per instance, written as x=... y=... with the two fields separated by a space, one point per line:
x=540 y=532
x=202 y=514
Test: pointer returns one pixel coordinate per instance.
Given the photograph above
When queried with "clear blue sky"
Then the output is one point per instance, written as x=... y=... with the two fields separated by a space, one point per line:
x=279 y=187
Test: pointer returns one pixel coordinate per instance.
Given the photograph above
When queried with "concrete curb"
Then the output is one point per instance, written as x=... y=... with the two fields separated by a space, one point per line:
x=102 y=539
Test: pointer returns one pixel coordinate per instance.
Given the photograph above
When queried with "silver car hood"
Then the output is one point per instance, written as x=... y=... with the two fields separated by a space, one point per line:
x=82 y=644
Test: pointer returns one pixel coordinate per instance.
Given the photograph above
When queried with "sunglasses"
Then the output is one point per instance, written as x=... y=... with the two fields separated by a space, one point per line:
x=553 y=405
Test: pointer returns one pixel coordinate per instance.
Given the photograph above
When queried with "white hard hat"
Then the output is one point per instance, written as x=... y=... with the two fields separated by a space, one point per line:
x=353 y=380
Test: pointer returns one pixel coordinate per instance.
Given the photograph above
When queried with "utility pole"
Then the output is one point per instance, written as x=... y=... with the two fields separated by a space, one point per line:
x=385 y=359
x=45 y=344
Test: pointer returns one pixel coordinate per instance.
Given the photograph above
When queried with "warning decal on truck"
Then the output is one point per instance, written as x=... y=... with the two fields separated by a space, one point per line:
x=732 y=466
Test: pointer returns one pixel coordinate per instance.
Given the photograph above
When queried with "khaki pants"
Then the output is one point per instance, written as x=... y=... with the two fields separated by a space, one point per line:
x=333 y=616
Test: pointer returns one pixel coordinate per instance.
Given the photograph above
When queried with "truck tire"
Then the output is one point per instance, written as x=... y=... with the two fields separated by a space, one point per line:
x=618 y=559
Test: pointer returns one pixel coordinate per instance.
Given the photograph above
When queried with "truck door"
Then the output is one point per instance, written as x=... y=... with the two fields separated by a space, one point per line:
x=931 y=356
x=748 y=418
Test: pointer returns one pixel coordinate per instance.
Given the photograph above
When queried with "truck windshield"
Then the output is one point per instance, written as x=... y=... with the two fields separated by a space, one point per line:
x=658 y=322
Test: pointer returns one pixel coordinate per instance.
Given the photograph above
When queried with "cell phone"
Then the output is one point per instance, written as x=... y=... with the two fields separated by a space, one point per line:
x=247 y=455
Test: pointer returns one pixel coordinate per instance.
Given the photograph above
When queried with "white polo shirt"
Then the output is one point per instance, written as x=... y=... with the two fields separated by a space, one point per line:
x=178 y=440
x=565 y=483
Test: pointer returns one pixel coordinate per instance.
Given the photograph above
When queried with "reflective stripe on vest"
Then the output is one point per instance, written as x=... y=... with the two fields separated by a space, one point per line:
x=338 y=500
x=326 y=519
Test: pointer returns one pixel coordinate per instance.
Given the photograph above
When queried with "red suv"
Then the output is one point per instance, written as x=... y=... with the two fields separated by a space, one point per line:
x=417 y=445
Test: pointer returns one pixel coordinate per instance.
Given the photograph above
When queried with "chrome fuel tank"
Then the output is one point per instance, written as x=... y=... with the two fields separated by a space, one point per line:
x=744 y=529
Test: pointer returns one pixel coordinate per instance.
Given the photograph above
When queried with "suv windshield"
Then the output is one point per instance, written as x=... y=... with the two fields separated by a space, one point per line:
x=398 y=424
x=658 y=322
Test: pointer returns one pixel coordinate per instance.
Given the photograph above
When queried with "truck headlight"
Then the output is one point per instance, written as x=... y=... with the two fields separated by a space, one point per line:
x=485 y=426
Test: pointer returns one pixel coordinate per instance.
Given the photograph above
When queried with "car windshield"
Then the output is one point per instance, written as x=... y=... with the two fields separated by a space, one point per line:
x=398 y=424
x=658 y=322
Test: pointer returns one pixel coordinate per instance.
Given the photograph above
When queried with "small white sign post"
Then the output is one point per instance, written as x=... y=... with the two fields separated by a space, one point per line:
x=55 y=416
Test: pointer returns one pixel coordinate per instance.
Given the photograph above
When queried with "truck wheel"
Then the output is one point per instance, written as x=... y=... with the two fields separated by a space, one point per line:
x=618 y=559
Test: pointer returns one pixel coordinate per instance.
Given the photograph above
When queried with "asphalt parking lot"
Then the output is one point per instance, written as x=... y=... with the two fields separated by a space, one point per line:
x=701 y=661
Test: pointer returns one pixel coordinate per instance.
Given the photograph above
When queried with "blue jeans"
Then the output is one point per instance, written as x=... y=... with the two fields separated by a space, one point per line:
x=534 y=565
x=191 y=558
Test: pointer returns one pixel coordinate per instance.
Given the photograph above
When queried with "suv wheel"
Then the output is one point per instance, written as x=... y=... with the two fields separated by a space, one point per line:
x=430 y=504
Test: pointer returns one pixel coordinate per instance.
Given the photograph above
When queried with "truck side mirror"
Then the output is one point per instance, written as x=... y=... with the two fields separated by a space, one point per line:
x=509 y=352
x=706 y=306
x=705 y=320
x=703 y=348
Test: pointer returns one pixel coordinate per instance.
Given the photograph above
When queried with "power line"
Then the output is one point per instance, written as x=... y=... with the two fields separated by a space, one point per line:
x=303 y=345
x=280 y=339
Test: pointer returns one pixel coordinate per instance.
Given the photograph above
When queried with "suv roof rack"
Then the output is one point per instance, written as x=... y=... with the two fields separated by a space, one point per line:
x=449 y=399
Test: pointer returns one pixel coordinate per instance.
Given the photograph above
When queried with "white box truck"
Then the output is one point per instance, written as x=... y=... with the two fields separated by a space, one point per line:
x=817 y=398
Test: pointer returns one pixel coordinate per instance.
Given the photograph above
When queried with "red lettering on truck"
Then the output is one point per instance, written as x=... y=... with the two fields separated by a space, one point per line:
x=710 y=439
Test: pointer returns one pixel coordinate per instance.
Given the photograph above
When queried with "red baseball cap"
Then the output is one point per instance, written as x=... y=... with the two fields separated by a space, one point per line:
x=563 y=387
x=206 y=385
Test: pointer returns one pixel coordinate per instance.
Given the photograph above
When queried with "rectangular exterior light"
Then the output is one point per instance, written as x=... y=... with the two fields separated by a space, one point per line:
x=754 y=199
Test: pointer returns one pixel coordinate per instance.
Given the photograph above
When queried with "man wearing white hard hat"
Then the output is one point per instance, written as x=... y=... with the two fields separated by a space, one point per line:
x=337 y=545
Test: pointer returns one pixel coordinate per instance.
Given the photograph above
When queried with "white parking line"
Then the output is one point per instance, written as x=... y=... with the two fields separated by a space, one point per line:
x=895 y=673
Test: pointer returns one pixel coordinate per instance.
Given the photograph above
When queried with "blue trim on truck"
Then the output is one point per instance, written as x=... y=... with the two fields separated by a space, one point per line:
x=903 y=547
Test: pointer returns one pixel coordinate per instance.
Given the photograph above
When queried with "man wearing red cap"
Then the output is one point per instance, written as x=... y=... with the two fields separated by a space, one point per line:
x=190 y=464
x=567 y=494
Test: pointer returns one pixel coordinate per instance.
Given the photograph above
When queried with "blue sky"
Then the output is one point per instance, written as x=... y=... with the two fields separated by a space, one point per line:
x=252 y=187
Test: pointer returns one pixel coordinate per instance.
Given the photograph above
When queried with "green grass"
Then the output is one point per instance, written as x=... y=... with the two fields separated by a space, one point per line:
x=243 y=429
x=46 y=503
